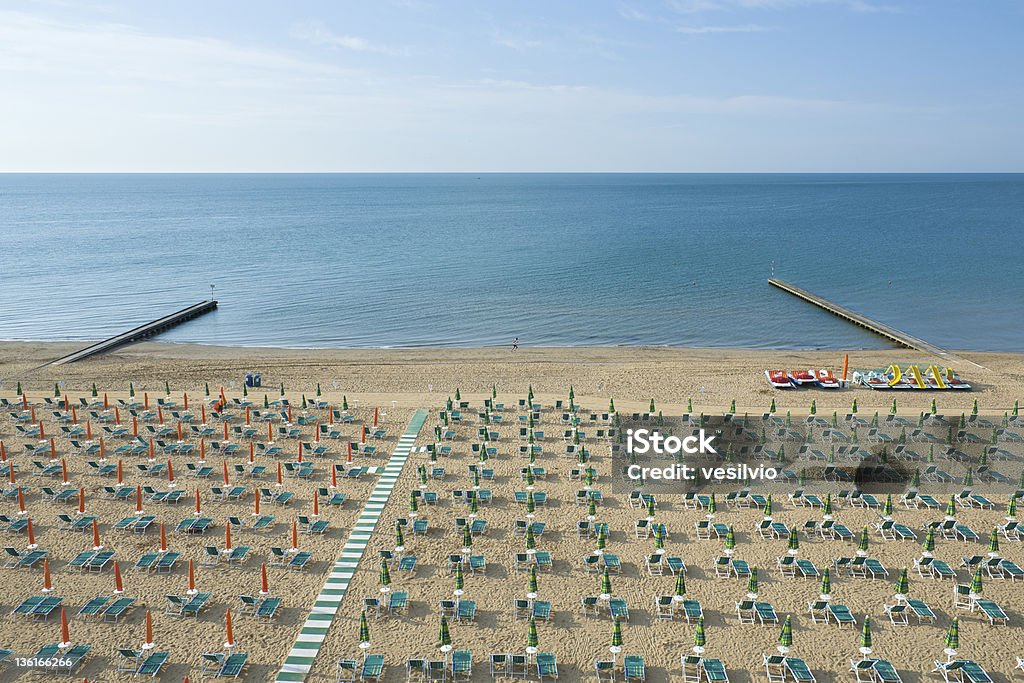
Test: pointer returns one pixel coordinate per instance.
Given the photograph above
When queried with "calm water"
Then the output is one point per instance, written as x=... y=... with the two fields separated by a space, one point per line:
x=461 y=260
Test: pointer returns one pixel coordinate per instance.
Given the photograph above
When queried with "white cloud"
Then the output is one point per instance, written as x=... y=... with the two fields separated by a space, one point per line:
x=745 y=28
x=698 y=6
x=317 y=33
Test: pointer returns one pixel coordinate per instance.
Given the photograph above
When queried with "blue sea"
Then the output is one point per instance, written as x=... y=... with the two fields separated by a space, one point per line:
x=476 y=260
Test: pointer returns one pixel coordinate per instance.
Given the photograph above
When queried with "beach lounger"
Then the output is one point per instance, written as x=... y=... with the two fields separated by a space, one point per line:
x=547 y=666
x=841 y=615
x=921 y=610
x=299 y=561
x=634 y=668
x=152 y=664
x=117 y=609
x=962 y=671
x=372 y=668
x=992 y=611
x=70 y=660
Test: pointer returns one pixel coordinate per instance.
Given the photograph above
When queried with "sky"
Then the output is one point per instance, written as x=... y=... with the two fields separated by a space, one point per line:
x=526 y=86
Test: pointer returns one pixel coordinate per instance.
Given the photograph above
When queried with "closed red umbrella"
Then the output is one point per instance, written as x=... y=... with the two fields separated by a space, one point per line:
x=47 y=584
x=227 y=627
x=96 y=545
x=149 y=644
x=32 y=545
x=199 y=505
x=118 y=585
x=163 y=538
x=191 y=577
x=65 y=636
x=256 y=503
x=81 y=500
x=264 y=586
x=375 y=416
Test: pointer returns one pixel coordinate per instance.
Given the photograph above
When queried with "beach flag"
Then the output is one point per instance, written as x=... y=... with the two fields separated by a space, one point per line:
x=532 y=640
x=902 y=583
x=699 y=639
x=952 y=639
x=364 y=628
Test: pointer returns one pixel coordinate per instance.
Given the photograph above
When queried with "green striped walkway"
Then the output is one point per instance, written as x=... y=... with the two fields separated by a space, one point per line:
x=313 y=632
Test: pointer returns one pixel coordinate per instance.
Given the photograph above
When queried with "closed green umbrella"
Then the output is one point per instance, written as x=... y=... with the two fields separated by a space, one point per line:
x=467 y=537
x=532 y=585
x=887 y=508
x=814 y=407
x=476 y=478
x=993 y=543
x=730 y=539
x=853 y=407
x=385 y=575
x=659 y=537
x=531 y=505
x=304 y=404
x=752 y=582
x=712 y=505
x=977 y=583
x=862 y=542
x=131 y=389
x=460 y=580
x=699 y=639
x=826 y=584
x=532 y=640
x=951 y=508
x=732 y=406
x=530 y=394
x=606 y=582
x=1020 y=481
x=974 y=408
x=651 y=410
x=915 y=480
x=423 y=475
x=344 y=402
x=826 y=509
x=929 y=542
x=1011 y=510
x=952 y=639
x=931 y=454
x=680 y=584
x=786 y=636
x=602 y=538
x=934 y=407
x=771 y=408
x=892 y=407
x=969 y=477
x=458 y=394
x=865 y=637
x=95 y=391
x=588 y=477
x=364 y=628
x=982 y=459
x=616 y=633
x=1016 y=408
x=611 y=405
x=794 y=542
x=835 y=420
x=266 y=401
x=689 y=405
x=768 y=506
x=650 y=507
x=531 y=538
x=902 y=583
x=399 y=538
x=592 y=508
x=474 y=507
x=803 y=477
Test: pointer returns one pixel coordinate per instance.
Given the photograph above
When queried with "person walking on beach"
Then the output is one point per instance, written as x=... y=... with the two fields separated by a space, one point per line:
x=515 y=344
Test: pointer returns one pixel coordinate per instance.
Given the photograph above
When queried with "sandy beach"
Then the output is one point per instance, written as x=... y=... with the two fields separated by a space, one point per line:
x=399 y=381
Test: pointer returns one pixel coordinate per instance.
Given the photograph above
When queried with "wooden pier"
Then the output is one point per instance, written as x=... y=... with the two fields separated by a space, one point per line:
x=897 y=337
x=139 y=333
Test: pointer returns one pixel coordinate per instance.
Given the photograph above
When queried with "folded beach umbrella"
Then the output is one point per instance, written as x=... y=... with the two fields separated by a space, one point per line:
x=826 y=583
x=768 y=506
x=730 y=539
x=467 y=536
x=951 y=508
x=786 y=636
x=399 y=537
x=976 y=582
x=969 y=477
x=853 y=407
x=385 y=575
x=531 y=504
x=444 y=637
x=532 y=585
x=826 y=509
x=606 y=582
x=862 y=541
x=689 y=405
x=712 y=505
x=771 y=408
x=474 y=507
x=952 y=639
x=974 y=408
x=650 y=507
x=752 y=581
x=680 y=590
x=659 y=537
x=699 y=639
x=611 y=405
x=902 y=583
x=865 y=637
x=887 y=508
x=413 y=503
x=1011 y=510
x=364 y=628
x=532 y=640
x=814 y=407
x=993 y=543
x=794 y=542
x=531 y=538
x=915 y=479
x=602 y=538
x=460 y=580
x=892 y=407
x=616 y=633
